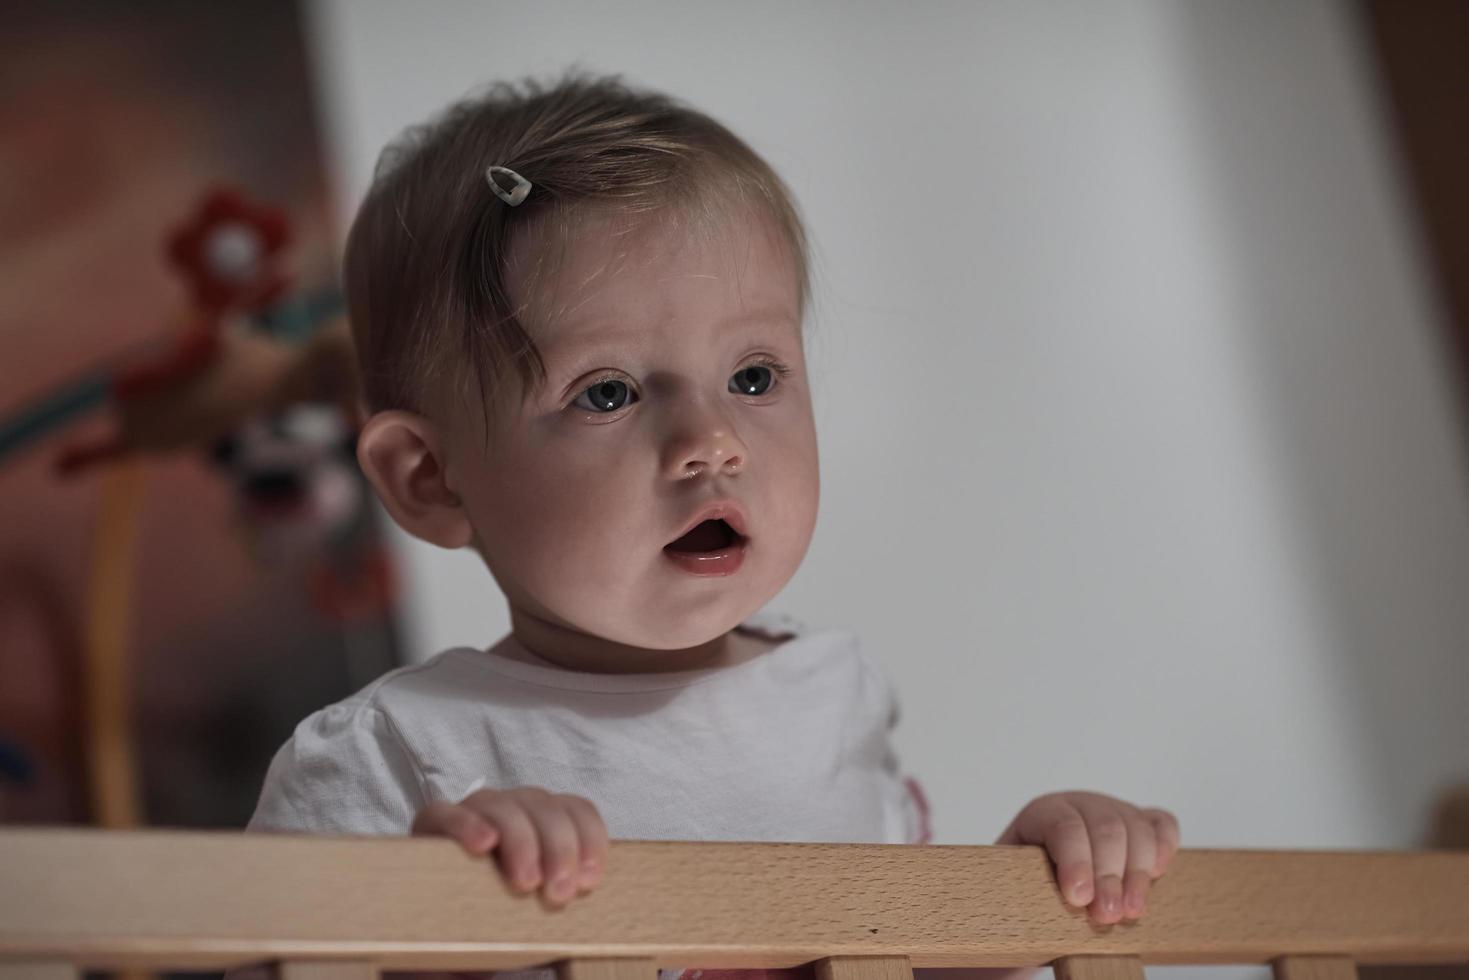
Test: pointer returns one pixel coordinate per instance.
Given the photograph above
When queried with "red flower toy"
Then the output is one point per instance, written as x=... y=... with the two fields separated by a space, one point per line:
x=228 y=250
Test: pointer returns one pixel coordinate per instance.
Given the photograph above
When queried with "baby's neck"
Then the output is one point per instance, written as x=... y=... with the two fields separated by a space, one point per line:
x=536 y=642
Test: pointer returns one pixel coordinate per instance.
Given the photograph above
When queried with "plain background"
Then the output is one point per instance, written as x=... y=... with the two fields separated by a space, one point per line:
x=1142 y=470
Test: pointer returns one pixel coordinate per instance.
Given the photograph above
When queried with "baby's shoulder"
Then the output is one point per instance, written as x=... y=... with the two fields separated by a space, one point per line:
x=774 y=625
x=389 y=711
x=832 y=650
x=785 y=628
x=439 y=686
x=358 y=765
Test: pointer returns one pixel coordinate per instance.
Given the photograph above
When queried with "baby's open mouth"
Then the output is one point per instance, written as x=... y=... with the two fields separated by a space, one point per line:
x=705 y=537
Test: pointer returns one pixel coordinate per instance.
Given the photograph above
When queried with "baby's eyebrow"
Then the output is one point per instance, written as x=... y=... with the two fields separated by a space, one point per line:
x=566 y=355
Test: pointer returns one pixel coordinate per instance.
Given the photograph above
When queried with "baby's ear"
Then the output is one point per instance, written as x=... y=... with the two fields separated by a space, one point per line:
x=403 y=457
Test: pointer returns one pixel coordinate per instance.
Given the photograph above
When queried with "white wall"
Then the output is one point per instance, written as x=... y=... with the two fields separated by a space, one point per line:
x=1140 y=462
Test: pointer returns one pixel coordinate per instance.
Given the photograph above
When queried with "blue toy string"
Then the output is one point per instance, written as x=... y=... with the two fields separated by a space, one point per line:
x=292 y=320
x=52 y=410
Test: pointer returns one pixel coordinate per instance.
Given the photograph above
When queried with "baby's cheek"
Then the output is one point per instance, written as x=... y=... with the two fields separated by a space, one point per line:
x=576 y=545
x=794 y=526
x=516 y=526
x=798 y=479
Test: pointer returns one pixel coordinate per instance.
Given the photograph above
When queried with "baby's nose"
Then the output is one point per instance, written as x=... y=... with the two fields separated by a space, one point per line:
x=709 y=448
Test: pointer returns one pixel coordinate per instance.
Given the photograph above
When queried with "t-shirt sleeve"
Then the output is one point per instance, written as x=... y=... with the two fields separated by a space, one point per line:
x=913 y=823
x=345 y=770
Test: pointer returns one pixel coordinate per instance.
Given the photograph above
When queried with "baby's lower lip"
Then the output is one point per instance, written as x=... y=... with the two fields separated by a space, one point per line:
x=722 y=561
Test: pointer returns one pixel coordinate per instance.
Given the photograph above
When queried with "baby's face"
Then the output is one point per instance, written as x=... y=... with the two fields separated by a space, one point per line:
x=676 y=381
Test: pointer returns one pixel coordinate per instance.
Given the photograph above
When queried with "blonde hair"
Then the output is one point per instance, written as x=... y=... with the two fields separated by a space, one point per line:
x=426 y=257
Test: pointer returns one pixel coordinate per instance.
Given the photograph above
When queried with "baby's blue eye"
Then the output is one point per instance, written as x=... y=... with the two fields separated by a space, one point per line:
x=606 y=396
x=753 y=380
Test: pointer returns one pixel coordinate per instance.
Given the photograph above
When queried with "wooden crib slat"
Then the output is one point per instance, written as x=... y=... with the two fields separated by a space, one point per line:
x=1105 y=968
x=326 y=970
x=618 y=968
x=1315 y=968
x=864 y=968
x=38 y=970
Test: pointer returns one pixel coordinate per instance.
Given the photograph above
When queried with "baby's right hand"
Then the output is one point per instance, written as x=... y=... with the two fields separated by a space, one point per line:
x=541 y=838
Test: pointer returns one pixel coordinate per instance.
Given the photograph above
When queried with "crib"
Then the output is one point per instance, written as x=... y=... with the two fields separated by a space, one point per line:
x=347 y=908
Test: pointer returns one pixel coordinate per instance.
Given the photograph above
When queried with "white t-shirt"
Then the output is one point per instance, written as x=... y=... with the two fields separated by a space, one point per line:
x=791 y=745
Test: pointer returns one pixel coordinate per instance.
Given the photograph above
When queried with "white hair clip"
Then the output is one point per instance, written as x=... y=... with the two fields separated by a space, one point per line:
x=516 y=193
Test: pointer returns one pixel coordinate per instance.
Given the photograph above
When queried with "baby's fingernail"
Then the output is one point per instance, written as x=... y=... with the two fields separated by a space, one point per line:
x=1081 y=893
x=560 y=887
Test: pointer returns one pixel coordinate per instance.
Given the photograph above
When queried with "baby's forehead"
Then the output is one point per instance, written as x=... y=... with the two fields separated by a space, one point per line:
x=611 y=278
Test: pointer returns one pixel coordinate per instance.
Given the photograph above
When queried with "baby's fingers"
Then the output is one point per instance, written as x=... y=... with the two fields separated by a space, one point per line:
x=1070 y=850
x=1165 y=828
x=1107 y=829
x=519 y=852
x=1142 y=857
x=560 y=847
x=459 y=822
x=593 y=833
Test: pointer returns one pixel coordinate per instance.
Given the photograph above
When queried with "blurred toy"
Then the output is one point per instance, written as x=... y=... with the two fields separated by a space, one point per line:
x=228 y=253
x=226 y=370
x=261 y=379
x=295 y=473
x=299 y=489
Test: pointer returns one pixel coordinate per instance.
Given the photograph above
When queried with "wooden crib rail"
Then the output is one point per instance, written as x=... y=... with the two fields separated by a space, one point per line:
x=343 y=908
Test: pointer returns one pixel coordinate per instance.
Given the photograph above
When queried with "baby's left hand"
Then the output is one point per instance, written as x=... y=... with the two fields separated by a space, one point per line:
x=1106 y=852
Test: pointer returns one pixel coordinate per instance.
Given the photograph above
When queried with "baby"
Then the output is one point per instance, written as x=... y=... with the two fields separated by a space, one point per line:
x=578 y=314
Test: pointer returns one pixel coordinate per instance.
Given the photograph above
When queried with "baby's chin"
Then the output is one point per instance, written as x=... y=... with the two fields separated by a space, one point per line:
x=682 y=632
x=658 y=614
x=681 y=623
